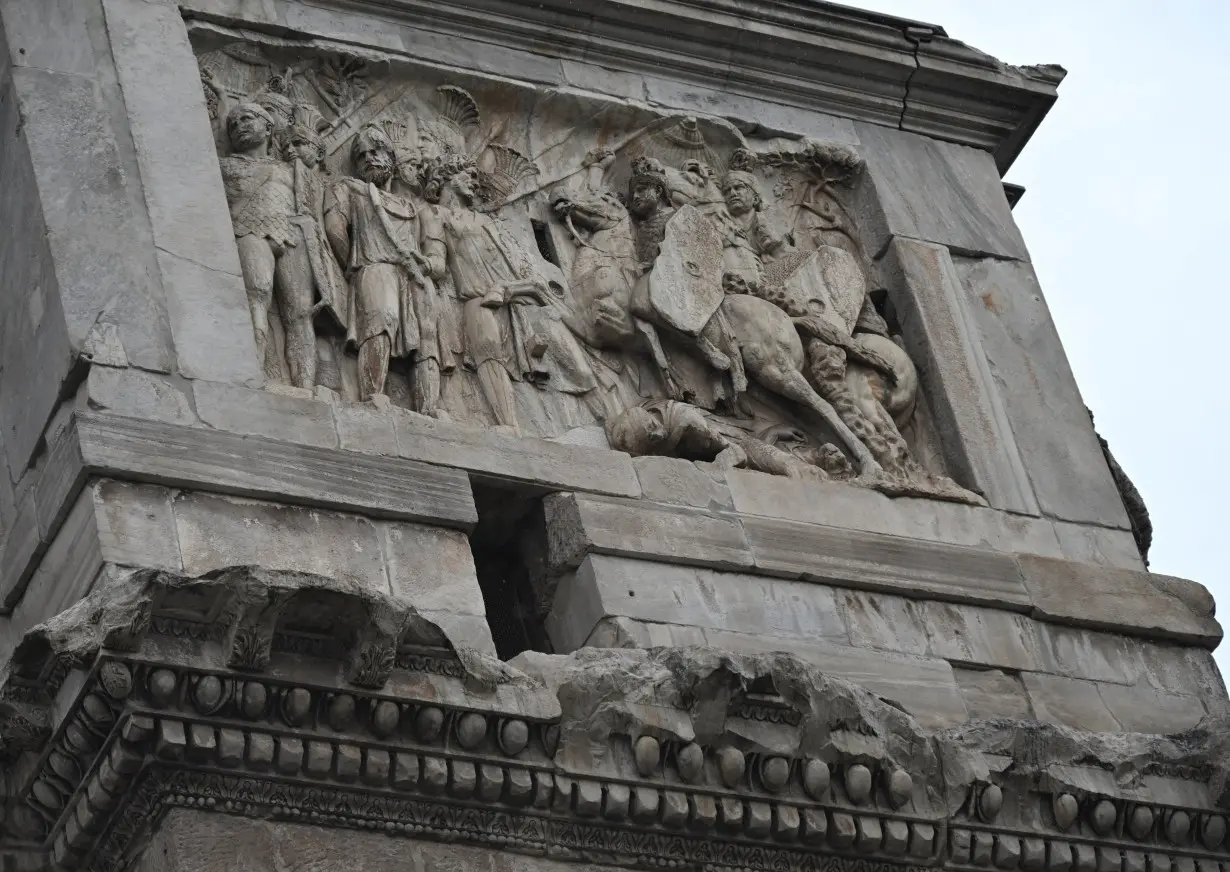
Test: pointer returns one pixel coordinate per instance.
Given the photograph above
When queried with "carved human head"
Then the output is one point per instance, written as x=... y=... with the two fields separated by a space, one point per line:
x=372 y=155
x=303 y=143
x=647 y=188
x=280 y=108
x=740 y=192
x=248 y=126
x=638 y=431
x=451 y=171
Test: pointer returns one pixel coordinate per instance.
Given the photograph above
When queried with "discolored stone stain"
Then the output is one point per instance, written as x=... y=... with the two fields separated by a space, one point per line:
x=988 y=300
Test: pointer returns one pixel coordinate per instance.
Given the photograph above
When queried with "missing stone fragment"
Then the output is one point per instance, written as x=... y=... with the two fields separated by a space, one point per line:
x=509 y=555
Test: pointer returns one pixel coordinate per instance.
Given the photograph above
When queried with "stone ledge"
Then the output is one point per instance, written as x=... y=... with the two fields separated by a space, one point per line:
x=820 y=57
x=1050 y=590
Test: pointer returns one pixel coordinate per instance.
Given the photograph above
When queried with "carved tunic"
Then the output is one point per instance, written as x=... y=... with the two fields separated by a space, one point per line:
x=383 y=230
x=261 y=192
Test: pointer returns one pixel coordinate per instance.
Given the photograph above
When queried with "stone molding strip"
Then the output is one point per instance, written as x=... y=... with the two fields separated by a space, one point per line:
x=1051 y=590
x=818 y=56
x=238 y=465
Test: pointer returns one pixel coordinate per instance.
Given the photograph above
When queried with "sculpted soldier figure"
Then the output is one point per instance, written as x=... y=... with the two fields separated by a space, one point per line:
x=376 y=235
x=491 y=274
x=261 y=190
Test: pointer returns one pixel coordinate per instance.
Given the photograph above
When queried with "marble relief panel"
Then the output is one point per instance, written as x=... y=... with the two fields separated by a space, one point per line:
x=562 y=267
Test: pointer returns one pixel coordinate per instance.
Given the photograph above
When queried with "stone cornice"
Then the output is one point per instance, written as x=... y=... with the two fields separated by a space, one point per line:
x=142 y=738
x=818 y=56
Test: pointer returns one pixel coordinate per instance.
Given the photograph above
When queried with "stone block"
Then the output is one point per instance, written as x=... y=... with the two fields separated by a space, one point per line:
x=834 y=504
x=60 y=474
x=18 y=549
x=431 y=568
x=139 y=394
x=1048 y=417
x=48 y=35
x=161 y=84
x=964 y=634
x=366 y=428
x=350 y=26
x=35 y=350
x=579 y=524
x=251 y=466
x=935 y=191
x=104 y=267
x=63 y=576
x=533 y=462
x=1089 y=544
x=981 y=636
x=887 y=623
x=210 y=321
x=1185 y=670
x=252 y=11
x=1091 y=655
x=136 y=525
x=681 y=483
x=943 y=340
x=1069 y=701
x=654 y=592
x=264 y=413
x=887 y=563
x=991 y=694
x=1120 y=600
x=216 y=532
x=1141 y=709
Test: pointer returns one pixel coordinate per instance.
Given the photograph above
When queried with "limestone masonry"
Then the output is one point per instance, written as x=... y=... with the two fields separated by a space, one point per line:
x=479 y=434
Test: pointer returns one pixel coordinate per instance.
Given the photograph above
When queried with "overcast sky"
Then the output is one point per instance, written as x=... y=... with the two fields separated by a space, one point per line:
x=1126 y=182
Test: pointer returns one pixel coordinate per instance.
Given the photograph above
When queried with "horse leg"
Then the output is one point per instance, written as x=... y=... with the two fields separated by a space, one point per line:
x=658 y=353
x=790 y=383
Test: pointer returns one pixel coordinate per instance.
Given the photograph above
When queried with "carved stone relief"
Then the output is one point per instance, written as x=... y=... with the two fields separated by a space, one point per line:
x=562 y=267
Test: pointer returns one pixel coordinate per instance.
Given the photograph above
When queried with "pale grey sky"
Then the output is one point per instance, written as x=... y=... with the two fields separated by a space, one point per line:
x=1126 y=180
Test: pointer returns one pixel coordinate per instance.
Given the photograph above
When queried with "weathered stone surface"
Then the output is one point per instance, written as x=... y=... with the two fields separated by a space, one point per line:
x=431 y=568
x=578 y=525
x=104 y=268
x=365 y=428
x=889 y=563
x=681 y=483
x=64 y=575
x=1070 y=702
x=924 y=687
x=958 y=633
x=48 y=36
x=613 y=586
x=263 y=413
x=834 y=504
x=140 y=394
x=1113 y=599
x=252 y=466
x=210 y=322
x=538 y=463
x=1044 y=407
x=216 y=532
x=21 y=543
x=35 y=349
x=1085 y=543
x=174 y=145
x=992 y=694
x=937 y=192
x=136 y=525
x=944 y=341
x=1140 y=709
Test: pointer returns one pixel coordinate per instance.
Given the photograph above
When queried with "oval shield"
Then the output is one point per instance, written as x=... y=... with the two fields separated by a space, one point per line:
x=685 y=287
